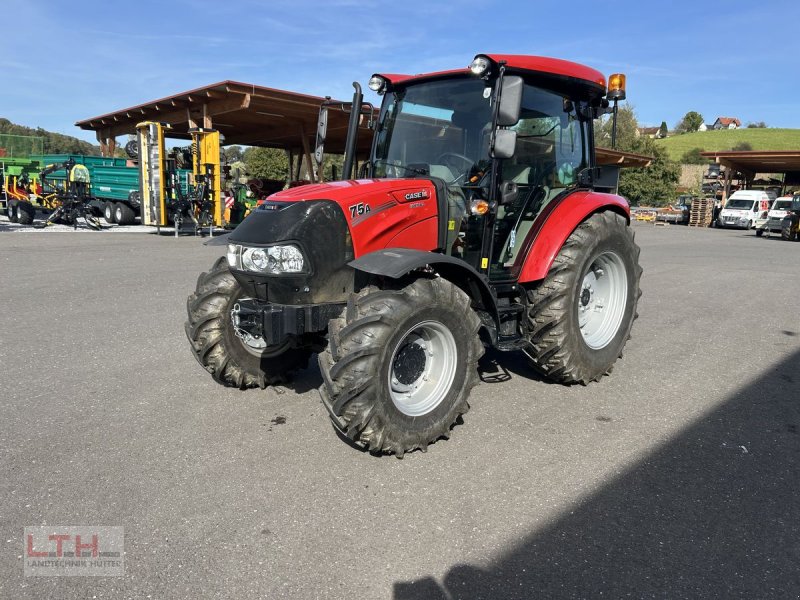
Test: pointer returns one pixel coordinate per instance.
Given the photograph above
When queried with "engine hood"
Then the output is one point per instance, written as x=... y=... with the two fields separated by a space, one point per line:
x=380 y=213
x=347 y=192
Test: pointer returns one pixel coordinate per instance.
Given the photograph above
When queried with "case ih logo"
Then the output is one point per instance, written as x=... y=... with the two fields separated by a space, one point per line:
x=82 y=550
x=421 y=195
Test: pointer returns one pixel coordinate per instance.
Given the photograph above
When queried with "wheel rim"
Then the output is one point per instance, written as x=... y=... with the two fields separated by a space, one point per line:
x=601 y=300
x=422 y=368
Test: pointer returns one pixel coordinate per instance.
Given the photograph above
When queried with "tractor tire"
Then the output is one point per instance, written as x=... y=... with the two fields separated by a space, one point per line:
x=400 y=364
x=26 y=213
x=132 y=149
x=123 y=214
x=581 y=314
x=219 y=350
x=108 y=212
x=11 y=211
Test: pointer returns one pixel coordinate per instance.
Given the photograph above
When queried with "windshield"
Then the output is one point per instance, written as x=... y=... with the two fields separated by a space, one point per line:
x=439 y=128
x=782 y=205
x=739 y=204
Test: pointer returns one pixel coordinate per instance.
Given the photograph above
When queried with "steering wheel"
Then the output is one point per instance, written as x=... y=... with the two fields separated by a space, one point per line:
x=445 y=158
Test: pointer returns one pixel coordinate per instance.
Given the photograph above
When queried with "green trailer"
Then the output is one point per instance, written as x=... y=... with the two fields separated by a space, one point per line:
x=19 y=169
x=114 y=184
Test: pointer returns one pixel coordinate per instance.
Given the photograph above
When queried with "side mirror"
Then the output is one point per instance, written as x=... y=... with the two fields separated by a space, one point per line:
x=505 y=142
x=508 y=192
x=510 y=101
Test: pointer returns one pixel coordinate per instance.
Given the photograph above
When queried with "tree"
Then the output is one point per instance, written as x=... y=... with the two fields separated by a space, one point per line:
x=266 y=163
x=627 y=128
x=663 y=131
x=757 y=125
x=232 y=154
x=654 y=185
x=54 y=143
x=692 y=157
x=690 y=122
x=742 y=147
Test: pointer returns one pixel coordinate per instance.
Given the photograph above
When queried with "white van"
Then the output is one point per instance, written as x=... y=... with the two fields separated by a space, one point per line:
x=743 y=208
x=773 y=219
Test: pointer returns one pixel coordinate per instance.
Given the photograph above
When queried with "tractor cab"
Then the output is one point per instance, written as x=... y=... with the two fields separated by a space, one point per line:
x=503 y=140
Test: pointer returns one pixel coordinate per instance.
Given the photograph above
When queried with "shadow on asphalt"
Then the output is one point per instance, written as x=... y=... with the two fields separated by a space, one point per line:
x=714 y=512
x=499 y=367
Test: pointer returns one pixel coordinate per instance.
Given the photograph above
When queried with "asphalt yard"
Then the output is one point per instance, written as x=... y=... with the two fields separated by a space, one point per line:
x=676 y=476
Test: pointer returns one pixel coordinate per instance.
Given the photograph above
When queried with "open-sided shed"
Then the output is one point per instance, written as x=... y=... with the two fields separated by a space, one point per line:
x=243 y=113
x=783 y=162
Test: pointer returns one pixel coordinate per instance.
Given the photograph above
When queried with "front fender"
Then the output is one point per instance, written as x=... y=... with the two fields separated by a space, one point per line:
x=557 y=222
x=397 y=262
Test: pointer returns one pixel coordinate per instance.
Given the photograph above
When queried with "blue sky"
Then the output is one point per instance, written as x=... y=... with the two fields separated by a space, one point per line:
x=66 y=61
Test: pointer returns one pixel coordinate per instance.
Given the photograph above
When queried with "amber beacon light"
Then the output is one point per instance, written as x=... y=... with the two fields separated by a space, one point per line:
x=616 y=87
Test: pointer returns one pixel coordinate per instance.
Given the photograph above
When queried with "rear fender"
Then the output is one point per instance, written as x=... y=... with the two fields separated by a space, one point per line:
x=398 y=262
x=557 y=222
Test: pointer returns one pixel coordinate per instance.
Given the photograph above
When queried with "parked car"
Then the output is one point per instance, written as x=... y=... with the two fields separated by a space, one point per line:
x=743 y=208
x=712 y=187
x=773 y=219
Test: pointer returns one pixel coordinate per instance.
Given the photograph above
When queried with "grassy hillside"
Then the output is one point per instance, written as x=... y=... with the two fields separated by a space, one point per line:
x=726 y=139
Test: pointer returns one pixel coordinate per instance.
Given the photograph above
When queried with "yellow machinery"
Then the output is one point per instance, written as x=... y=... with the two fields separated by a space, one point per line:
x=207 y=171
x=170 y=193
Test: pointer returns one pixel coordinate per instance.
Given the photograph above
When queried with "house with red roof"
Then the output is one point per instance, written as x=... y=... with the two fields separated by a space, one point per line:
x=726 y=123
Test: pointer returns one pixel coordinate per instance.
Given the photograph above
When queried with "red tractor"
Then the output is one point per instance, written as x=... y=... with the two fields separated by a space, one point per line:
x=479 y=220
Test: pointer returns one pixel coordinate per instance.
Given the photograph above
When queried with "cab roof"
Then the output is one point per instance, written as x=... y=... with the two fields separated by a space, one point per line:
x=520 y=63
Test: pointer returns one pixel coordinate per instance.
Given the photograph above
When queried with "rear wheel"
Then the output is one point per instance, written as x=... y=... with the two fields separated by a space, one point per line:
x=759 y=232
x=123 y=214
x=400 y=365
x=582 y=313
x=232 y=361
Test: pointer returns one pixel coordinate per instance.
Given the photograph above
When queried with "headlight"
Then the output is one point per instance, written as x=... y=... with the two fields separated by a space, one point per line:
x=377 y=83
x=233 y=256
x=480 y=65
x=274 y=260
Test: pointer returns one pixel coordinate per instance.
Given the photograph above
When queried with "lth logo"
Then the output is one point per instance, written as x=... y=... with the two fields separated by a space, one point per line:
x=60 y=540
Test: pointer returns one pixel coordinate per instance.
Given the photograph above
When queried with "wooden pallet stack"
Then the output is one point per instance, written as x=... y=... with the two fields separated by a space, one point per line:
x=702 y=212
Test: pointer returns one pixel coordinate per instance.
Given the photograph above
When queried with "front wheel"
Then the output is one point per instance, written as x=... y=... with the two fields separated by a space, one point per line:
x=108 y=212
x=400 y=364
x=11 y=211
x=581 y=314
x=231 y=360
x=26 y=213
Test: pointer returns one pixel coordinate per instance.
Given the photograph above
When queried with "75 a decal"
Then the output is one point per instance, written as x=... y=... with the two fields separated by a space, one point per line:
x=357 y=210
